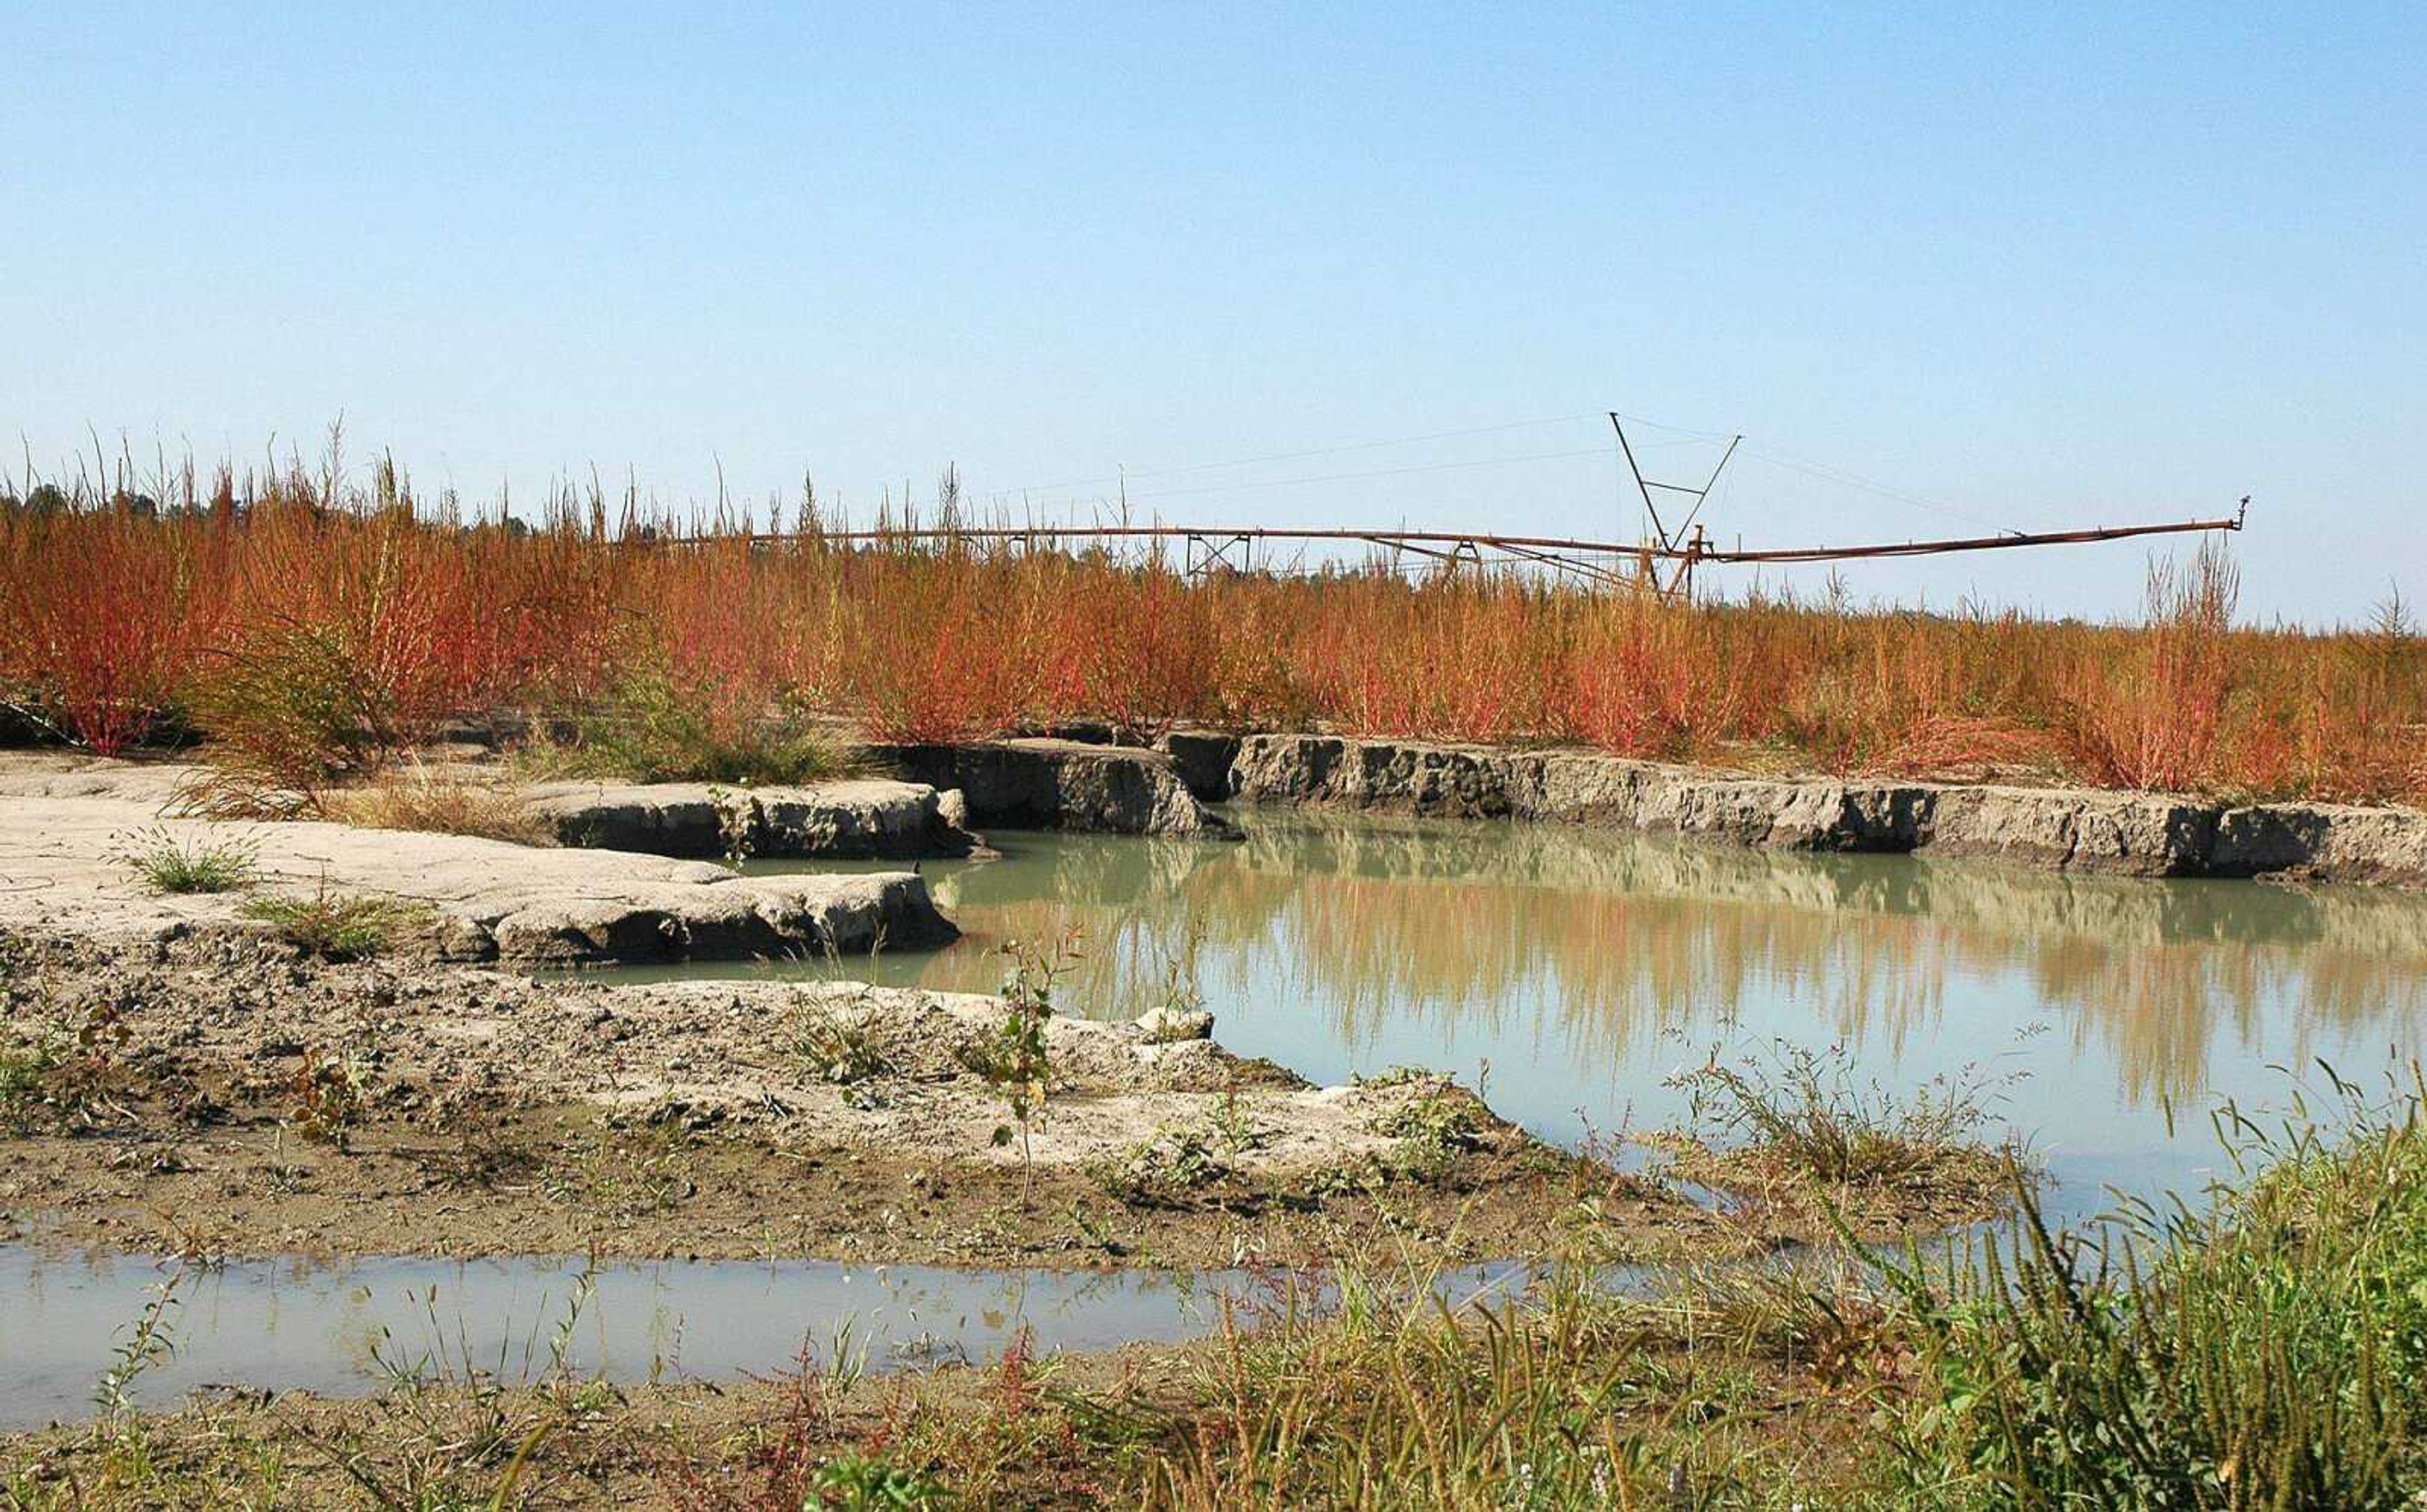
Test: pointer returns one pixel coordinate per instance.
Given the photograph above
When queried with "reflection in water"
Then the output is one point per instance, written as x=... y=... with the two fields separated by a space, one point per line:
x=344 y=1327
x=294 y=1325
x=1583 y=965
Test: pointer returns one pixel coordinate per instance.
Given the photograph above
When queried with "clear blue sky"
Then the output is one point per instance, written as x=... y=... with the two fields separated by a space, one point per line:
x=2037 y=268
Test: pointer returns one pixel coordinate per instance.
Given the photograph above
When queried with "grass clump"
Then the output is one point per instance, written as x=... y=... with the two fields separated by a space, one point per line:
x=438 y=805
x=1795 y=1133
x=654 y=726
x=841 y=1045
x=1551 y=1400
x=338 y=926
x=170 y=865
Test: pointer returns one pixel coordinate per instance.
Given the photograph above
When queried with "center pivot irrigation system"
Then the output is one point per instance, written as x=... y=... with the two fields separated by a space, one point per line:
x=1663 y=561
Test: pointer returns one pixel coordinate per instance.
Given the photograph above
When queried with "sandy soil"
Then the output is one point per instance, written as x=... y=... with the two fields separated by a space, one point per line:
x=67 y=829
x=230 y=1097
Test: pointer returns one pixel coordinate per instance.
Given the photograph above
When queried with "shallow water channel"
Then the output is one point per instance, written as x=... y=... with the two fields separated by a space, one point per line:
x=1570 y=973
x=351 y=1326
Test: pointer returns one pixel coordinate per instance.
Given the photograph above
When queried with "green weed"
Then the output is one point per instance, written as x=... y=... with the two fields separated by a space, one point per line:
x=654 y=726
x=840 y=1046
x=170 y=865
x=2269 y=1351
x=1015 y=1059
x=338 y=926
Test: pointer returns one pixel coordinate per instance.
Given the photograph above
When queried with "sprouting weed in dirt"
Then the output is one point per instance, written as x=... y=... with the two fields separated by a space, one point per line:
x=1161 y=1168
x=170 y=865
x=1234 y=1127
x=620 y=1176
x=337 y=926
x=1015 y=1060
x=326 y=1096
x=152 y=1339
x=485 y=1151
x=840 y=1045
x=64 y=1078
x=26 y=1067
x=198 y=1248
x=854 y=1482
x=1432 y=1129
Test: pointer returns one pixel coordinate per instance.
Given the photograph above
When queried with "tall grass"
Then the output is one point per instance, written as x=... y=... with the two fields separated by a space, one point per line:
x=312 y=630
x=2266 y=1351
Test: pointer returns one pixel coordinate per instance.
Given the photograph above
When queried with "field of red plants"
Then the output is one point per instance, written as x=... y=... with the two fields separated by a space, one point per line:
x=315 y=633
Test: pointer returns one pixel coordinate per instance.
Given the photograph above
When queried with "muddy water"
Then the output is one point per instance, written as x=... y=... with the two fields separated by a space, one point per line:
x=355 y=1326
x=1574 y=972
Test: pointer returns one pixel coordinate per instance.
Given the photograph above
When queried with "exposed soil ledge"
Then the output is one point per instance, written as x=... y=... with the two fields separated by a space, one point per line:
x=1064 y=785
x=242 y=1101
x=859 y=820
x=2063 y=829
x=61 y=840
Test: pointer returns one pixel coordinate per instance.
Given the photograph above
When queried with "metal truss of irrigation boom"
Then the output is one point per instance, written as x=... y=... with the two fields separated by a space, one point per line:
x=1637 y=565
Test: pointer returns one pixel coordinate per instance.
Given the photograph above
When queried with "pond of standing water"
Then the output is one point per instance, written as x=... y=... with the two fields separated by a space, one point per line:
x=1574 y=971
x=1581 y=969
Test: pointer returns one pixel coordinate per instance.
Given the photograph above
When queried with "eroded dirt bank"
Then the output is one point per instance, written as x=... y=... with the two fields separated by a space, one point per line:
x=67 y=833
x=230 y=1096
x=2063 y=829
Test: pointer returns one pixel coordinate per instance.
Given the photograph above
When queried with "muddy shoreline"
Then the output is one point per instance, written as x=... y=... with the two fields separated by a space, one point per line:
x=231 y=1098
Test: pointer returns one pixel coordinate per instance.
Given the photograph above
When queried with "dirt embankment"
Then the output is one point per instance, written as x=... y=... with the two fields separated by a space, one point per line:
x=228 y=1096
x=69 y=834
x=2063 y=829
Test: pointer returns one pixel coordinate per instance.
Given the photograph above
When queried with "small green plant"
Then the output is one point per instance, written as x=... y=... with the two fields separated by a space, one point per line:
x=485 y=1150
x=620 y=1176
x=1162 y=1168
x=337 y=926
x=63 y=1078
x=25 y=1069
x=854 y=1482
x=1015 y=1059
x=152 y=1339
x=1233 y=1124
x=170 y=865
x=1432 y=1129
x=840 y=1045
